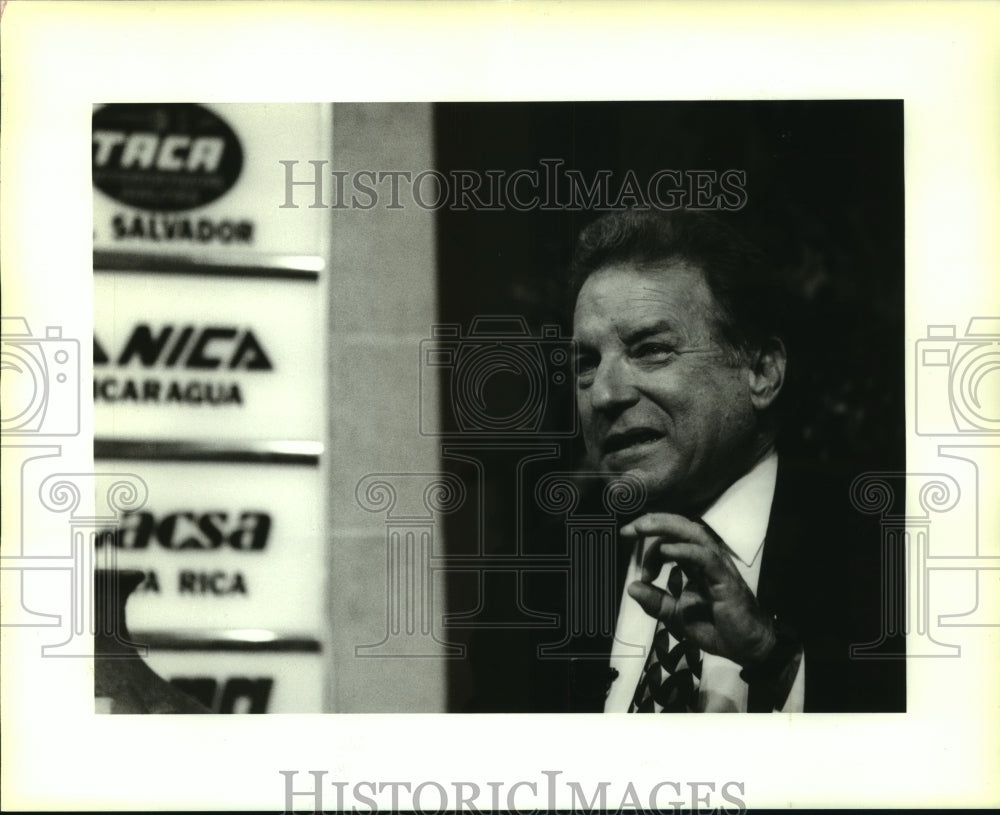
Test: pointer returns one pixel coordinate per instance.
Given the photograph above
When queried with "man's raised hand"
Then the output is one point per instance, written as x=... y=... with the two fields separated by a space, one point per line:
x=716 y=609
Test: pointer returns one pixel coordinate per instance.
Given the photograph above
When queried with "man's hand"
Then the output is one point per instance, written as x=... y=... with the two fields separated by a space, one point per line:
x=716 y=609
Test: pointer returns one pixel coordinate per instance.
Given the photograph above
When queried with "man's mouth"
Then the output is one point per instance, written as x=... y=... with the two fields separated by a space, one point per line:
x=628 y=439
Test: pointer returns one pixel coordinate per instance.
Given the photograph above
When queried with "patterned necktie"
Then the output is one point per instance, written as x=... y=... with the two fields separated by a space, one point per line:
x=669 y=682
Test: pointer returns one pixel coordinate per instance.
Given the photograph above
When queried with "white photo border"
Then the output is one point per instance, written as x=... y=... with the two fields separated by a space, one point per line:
x=941 y=58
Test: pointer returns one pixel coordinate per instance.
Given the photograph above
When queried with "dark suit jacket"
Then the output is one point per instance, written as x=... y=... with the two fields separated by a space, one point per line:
x=825 y=571
x=823 y=574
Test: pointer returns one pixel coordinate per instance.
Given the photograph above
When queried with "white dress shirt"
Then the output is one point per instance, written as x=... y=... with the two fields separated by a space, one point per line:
x=739 y=516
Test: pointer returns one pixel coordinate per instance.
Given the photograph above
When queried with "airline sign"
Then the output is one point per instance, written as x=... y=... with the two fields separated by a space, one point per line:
x=221 y=546
x=204 y=182
x=194 y=358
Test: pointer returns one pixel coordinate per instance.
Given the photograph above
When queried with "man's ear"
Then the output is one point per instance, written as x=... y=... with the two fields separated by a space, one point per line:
x=767 y=373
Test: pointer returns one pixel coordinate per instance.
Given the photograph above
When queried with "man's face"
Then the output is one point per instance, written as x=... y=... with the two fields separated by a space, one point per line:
x=658 y=396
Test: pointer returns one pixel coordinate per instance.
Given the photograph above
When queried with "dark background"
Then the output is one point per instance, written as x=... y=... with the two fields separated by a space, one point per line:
x=825 y=202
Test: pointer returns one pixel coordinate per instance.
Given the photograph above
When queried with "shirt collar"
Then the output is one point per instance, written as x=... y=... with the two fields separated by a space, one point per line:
x=739 y=516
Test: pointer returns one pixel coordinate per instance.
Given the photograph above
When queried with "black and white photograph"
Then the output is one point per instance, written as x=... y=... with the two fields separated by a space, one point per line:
x=645 y=364
x=357 y=423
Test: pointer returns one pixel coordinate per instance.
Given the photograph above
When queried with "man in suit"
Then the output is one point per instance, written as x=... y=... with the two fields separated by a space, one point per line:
x=748 y=580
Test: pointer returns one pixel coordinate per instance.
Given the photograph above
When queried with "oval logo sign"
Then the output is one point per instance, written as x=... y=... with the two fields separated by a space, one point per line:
x=164 y=157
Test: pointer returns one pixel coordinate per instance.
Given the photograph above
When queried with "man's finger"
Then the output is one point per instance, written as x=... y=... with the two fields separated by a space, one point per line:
x=693 y=559
x=655 y=602
x=675 y=527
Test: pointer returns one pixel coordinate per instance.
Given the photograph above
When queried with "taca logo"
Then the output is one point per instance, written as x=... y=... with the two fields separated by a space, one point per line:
x=164 y=157
x=196 y=348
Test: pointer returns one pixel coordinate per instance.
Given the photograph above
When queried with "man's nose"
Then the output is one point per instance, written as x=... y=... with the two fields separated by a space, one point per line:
x=613 y=388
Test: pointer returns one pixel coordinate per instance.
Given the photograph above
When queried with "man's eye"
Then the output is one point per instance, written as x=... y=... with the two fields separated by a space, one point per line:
x=653 y=352
x=586 y=365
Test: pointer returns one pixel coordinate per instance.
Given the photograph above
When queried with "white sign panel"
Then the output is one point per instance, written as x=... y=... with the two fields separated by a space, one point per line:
x=222 y=546
x=207 y=358
x=205 y=182
x=245 y=682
